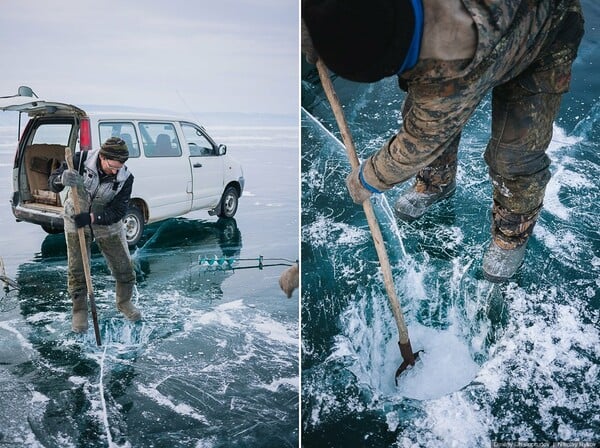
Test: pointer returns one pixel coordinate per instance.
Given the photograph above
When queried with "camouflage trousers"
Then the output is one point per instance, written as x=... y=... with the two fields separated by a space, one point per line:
x=442 y=172
x=523 y=111
x=116 y=253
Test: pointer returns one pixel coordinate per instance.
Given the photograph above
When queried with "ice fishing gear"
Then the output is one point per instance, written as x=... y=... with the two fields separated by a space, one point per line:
x=231 y=263
x=409 y=357
x=8 y=282
x=84 y=252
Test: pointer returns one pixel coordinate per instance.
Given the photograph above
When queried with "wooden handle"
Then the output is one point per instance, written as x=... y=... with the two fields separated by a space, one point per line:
x=388 y=280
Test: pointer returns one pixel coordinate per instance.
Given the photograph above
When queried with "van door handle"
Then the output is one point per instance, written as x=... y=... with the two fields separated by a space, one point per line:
x=197 y=165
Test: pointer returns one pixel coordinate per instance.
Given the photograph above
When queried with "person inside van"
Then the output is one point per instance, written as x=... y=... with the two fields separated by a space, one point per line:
x=105 y=186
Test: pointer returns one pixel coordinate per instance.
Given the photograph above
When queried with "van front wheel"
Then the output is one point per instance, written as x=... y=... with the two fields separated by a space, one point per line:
x=229 y=203
x=134 y=225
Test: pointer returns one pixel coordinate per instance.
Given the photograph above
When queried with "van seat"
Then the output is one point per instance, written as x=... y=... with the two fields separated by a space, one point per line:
x=40 y=161
x=129 y=141
x=163 y=145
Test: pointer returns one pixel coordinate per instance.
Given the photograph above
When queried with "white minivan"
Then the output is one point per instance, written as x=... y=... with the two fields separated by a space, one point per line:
x=177 y=166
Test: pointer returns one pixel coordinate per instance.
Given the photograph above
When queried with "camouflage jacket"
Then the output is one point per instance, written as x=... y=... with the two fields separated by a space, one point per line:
x=442 y=95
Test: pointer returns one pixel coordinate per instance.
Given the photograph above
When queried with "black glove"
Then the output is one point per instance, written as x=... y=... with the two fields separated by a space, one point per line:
x=82 y=220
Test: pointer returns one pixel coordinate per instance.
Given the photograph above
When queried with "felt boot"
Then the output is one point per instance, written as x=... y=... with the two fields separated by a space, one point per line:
x=289 y=280
x=124 y=305
x=510 y=233
x=432 y=184
x=413 y=203
x=80 y=315
x=499 y=264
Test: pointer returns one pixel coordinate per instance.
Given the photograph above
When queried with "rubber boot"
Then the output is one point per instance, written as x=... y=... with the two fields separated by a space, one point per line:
x=414 y=202
x=80 y=315
x=506 y=252
x=124 y=305
x=499 y=264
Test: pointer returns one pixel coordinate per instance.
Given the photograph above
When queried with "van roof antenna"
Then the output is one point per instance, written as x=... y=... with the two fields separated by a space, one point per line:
x=188 y=107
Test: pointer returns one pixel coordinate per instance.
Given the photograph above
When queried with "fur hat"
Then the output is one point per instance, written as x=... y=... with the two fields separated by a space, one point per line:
x=115 y=148
x=361 y=40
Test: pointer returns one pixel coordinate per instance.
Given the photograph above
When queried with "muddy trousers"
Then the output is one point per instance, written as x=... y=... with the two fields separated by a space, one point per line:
x=523 y=111
x=516 y=157
x=115 y=251
x=441 y=173
x=517 y=160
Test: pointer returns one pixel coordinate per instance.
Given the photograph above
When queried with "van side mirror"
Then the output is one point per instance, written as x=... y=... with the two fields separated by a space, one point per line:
x=26 y=91
x=222 y=149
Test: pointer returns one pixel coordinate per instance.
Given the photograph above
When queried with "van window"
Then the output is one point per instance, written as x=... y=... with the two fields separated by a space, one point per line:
x=160 y=140
x=198 y=143
x=122 y=129
x=52 y=134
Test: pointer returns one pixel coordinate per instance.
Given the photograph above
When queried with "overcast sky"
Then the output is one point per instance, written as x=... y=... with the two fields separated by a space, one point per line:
x=181 y=55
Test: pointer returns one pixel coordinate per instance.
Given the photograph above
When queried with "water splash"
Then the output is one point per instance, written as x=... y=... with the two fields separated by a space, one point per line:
x=533 y=343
